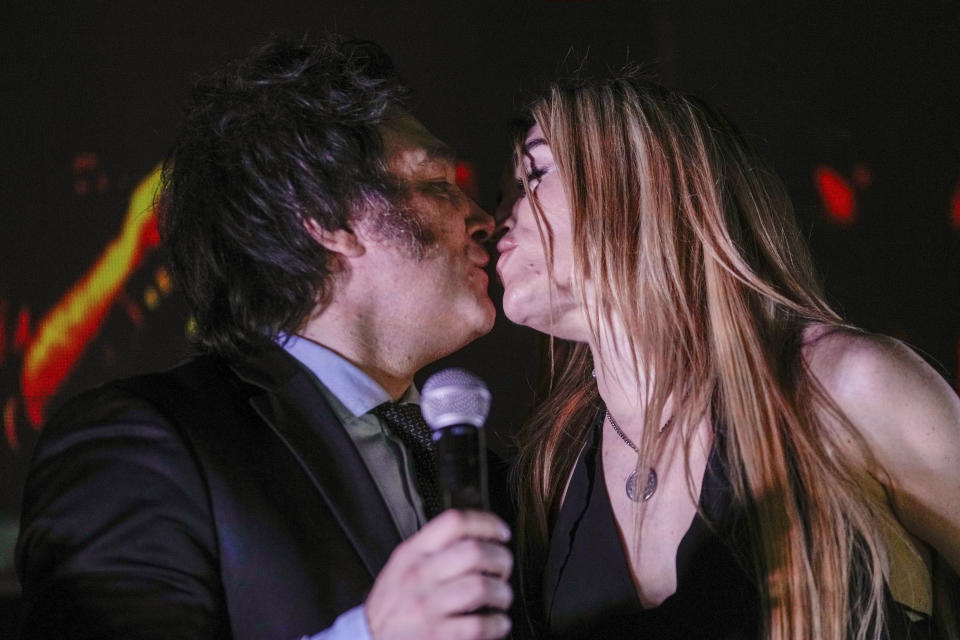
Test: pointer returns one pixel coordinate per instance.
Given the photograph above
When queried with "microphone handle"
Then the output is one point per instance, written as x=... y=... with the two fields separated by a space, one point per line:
x=462 y=467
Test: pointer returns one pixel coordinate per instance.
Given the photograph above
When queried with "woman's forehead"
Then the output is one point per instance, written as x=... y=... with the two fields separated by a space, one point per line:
x=534 y=138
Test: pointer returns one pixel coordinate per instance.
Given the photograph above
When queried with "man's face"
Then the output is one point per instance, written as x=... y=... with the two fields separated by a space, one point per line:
x=432 y=277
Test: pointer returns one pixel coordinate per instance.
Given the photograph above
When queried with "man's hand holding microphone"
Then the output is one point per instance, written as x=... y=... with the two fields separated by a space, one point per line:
x=450 y=579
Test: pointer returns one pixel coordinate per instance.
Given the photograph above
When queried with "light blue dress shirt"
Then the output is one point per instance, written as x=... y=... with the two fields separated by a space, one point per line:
x=352 y=394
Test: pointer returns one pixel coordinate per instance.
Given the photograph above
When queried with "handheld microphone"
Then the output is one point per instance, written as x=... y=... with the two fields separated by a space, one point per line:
x=455 y=404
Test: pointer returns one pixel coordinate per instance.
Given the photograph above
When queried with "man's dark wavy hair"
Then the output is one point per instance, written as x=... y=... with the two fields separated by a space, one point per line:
x=284 y=135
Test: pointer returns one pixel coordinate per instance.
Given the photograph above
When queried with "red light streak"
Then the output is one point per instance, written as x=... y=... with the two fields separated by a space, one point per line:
x=955 y=207
x=467 y=179
x=22 y=333
x=837 y=195
x=64 y=332
x=10 y=423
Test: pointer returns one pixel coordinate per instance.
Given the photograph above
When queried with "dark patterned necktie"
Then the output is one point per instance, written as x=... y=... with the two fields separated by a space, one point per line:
x=406 y=422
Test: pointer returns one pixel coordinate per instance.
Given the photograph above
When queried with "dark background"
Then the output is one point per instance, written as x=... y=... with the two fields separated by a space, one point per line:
x=91 y=97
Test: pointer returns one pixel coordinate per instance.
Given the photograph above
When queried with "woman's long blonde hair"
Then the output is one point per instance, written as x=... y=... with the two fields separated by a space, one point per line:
x=688 y=238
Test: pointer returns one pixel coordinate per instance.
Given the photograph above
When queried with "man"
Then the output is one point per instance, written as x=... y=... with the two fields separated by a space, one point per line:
x=268 y=488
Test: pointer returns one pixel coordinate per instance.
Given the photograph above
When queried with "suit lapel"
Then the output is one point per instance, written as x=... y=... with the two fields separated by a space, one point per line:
x=297 y=412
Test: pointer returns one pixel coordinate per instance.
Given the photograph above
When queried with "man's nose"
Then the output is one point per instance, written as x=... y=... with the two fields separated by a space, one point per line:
x=480 y=224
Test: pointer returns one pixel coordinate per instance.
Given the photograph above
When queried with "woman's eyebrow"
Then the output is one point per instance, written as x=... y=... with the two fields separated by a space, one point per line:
x=532 y=144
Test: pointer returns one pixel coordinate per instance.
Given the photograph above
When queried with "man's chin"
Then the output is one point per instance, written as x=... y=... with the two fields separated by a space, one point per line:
x=474 y=326
x=479 y=327
x=481 y=318
x=489 y=319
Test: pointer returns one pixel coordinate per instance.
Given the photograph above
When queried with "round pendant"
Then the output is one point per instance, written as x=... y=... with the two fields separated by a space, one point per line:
x=633 y=490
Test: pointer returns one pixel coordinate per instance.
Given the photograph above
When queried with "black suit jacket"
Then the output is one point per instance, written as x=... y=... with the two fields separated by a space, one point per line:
x=215 y=500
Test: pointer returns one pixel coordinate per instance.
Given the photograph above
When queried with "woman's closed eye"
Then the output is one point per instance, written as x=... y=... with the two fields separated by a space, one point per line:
x=532 y=177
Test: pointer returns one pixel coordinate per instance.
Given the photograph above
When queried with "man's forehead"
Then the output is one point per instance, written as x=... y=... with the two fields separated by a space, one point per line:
x=409 y=146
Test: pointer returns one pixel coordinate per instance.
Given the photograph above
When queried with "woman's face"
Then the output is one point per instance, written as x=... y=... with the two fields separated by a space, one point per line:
x=523 y=266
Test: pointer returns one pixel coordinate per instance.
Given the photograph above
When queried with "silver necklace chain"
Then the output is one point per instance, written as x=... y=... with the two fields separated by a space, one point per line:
x=623 y=436
x=631 y=486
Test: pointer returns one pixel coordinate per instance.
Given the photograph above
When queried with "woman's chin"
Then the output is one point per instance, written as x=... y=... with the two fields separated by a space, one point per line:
x=539 y=320
x=521 y=314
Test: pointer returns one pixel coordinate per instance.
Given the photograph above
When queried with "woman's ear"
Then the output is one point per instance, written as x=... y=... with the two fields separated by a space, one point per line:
x=343 y=242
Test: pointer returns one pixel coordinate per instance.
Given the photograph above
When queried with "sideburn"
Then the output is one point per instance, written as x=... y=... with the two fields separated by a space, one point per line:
x=391 y=218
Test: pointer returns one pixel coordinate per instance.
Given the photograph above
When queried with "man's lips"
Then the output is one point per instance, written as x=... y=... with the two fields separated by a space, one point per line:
x=479 y=257
x=480 y=280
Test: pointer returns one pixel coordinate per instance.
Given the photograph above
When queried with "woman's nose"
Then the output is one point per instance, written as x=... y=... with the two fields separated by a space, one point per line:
x=504 y=225
x=501 y=237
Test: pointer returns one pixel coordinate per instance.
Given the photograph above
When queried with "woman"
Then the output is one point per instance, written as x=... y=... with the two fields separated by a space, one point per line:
x=718 y=455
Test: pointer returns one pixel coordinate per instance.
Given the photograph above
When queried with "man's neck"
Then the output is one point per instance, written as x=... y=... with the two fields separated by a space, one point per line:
x=362 y=345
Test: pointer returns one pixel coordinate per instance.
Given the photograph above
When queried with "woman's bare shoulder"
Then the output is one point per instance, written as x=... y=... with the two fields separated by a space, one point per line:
x=908 y=416
x=877 y=380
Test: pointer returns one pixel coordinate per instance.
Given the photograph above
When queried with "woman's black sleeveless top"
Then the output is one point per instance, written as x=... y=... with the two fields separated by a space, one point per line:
x=588 y=591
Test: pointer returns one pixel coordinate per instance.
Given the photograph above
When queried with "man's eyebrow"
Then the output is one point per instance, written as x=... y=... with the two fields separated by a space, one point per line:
x=533 y=144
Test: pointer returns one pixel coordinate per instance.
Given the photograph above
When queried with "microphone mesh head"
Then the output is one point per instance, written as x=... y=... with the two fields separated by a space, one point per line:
x=454 y=396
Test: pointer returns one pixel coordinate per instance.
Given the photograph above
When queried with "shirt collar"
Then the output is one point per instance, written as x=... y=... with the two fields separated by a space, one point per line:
x=358 y=392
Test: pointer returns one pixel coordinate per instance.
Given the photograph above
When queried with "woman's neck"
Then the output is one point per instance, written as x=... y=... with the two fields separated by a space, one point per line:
x=624 y=384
